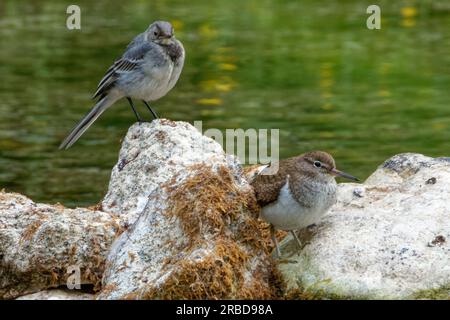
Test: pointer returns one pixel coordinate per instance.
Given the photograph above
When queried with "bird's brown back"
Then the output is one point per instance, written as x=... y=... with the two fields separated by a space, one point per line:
x=267 y=187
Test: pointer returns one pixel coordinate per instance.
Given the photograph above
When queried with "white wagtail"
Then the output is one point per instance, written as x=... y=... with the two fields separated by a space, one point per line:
x=149 y=68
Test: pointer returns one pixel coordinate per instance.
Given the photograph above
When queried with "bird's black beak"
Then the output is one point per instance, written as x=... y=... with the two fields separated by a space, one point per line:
x=342 y=174
x=165 y=40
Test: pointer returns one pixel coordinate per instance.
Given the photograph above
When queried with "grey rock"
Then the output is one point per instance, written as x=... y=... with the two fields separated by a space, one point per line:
x=193 y=233
x=39 y=242
x=57 y=294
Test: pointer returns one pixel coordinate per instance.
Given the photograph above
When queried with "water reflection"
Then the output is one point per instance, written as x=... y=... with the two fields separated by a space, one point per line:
x=311 y=69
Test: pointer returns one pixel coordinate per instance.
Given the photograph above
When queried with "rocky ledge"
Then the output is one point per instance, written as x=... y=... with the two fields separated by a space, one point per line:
x=179 y=221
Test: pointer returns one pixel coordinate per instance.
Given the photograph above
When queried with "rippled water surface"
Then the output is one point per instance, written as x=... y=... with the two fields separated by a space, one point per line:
x=310 y=68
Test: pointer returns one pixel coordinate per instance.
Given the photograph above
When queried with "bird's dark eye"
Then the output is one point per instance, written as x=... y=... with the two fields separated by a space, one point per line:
x=317 y=164
x=155 y=33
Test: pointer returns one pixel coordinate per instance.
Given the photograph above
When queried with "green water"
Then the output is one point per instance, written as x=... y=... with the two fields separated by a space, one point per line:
x=310 y=68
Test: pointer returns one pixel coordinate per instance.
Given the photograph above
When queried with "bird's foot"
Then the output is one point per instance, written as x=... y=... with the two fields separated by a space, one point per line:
x=275 y=242
x=277 y=252
x=155 y=115
x=284 y=260
x=297 y=240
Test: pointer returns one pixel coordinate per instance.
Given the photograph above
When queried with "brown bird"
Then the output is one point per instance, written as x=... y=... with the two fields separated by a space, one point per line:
x=299 y=193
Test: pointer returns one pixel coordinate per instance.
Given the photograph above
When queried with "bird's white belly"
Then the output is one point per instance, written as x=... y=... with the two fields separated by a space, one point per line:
x=158 y=85
x=287 y=214
x=150 y=85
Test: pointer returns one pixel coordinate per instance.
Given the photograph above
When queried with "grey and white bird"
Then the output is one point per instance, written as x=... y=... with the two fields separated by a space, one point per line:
x=147 y=71
x=299 y=193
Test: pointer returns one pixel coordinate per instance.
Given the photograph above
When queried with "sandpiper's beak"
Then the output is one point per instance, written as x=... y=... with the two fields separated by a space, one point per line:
x=342 y=174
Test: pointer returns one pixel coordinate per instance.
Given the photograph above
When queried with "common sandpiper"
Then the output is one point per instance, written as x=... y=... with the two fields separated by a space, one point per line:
x=298 y=193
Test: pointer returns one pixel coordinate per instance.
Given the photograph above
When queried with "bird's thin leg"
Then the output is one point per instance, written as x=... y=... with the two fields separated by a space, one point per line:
x=275 y=241
x=299 y=244
x=150 y=109
x=138 y=117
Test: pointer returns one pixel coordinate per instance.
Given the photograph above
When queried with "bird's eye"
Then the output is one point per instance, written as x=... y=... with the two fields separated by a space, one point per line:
x=155 y=33
x=317 y=164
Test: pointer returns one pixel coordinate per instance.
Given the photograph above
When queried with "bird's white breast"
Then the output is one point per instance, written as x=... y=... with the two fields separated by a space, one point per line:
x=157 y=82
x=288 y=214
x=156 y=79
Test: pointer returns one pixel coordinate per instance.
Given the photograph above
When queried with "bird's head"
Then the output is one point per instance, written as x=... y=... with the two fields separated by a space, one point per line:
x=160 y=32
x=320 y=164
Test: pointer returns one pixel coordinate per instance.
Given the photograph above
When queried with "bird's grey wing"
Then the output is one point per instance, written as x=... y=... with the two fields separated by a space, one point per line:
x=139 y=39
x=131 y=60
x=267 y=187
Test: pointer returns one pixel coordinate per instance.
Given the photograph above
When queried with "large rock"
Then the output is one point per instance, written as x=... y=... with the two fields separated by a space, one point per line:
x=58 y=294
x=388 y=238
x=194 y=232
x=39 y=242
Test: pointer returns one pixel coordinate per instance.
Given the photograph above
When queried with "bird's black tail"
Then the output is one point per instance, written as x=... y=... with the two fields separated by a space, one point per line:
x=86 y=122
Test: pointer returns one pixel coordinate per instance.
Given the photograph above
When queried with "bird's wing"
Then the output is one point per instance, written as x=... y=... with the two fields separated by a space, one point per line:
x=131 y=59
x=251 y=172
x=140 y=38
x=267 y=186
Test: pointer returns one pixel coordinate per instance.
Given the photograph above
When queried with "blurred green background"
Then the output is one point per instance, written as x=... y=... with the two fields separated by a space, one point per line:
x=310 y=68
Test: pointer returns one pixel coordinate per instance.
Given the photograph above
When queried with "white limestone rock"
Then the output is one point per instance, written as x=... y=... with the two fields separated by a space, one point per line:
x=57 y=294
x=151 y=154
x=39 y=242
x=193 y=232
